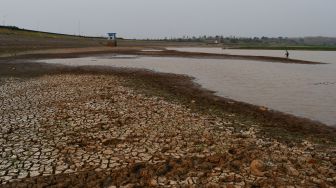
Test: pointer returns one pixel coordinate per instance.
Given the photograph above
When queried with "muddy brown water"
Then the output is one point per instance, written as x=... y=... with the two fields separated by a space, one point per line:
x=304 y=90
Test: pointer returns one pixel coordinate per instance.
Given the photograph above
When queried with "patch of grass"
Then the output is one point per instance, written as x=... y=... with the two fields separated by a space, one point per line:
x=39 y=34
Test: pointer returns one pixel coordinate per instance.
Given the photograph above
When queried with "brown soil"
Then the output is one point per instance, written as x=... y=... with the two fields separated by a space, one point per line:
x=142 y=174
x=177 y=88
x=181 y=88
x=80 y=52
x=17 y=41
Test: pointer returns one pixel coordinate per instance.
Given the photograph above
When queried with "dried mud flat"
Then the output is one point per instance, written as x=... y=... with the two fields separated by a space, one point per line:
x=89 y=130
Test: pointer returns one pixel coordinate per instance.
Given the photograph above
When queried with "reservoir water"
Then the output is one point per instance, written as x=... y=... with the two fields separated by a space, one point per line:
x=316 y=56
x=303 y=90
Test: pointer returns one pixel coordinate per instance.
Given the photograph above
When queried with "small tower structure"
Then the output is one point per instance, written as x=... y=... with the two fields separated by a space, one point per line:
x=112 y=39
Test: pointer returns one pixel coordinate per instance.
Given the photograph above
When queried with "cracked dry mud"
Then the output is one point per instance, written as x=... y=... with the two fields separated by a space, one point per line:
x=77 y=127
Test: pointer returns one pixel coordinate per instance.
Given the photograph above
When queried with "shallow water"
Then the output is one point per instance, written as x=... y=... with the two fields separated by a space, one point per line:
x=304 y=90
x=316 y=56
x=151 y=50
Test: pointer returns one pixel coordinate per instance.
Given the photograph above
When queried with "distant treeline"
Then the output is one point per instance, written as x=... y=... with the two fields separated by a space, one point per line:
x=242 y=42
x=259 y=41
x=14 y=28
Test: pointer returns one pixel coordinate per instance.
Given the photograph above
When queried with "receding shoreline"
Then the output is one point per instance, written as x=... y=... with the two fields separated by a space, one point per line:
x=81 y=52
x=178 y=85
x=275 y=130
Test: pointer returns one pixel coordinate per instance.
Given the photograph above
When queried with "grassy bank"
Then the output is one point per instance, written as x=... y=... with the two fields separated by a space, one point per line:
x=13 y=41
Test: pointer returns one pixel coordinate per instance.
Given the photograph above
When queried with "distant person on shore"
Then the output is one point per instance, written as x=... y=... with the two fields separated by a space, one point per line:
x=287 y=54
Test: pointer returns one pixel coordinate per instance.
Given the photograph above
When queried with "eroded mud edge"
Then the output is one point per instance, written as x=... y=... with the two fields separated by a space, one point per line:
x=177 y=88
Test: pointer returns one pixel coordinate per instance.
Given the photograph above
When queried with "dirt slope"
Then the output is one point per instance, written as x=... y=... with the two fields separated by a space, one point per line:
x=13 y=41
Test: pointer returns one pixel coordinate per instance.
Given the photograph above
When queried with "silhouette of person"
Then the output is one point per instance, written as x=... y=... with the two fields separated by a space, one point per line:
x=287 y=54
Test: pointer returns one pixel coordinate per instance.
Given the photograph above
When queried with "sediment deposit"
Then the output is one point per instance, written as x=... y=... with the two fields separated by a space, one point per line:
x=93 y=130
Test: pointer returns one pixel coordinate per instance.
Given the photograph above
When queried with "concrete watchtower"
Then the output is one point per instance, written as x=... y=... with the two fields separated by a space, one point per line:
x=112 y=39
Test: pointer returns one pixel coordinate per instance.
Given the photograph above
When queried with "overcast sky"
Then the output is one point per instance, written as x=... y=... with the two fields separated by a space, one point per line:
x=174 y=18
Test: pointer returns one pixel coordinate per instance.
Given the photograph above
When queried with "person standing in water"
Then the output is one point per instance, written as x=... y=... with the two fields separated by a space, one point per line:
x=287 y=54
